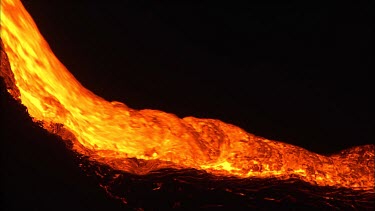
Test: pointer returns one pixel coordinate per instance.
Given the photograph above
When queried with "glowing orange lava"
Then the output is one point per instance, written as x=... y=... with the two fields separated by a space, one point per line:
x=111 y=132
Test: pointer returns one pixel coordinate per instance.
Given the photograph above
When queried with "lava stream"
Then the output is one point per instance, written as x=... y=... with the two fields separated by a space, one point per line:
x=111 y=132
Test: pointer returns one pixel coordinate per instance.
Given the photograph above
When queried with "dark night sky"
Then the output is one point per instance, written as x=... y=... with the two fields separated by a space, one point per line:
x=299 y=73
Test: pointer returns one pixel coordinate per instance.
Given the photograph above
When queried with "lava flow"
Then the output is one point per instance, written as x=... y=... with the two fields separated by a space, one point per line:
x=115 y=135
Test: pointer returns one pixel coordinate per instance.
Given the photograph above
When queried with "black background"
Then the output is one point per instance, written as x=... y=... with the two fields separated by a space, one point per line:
x=298 y=73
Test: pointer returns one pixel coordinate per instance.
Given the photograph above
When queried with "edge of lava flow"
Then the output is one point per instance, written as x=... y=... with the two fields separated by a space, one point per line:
x=113 y=134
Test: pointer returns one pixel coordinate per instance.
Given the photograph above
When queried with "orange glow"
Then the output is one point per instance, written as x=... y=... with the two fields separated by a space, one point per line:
x=111 y=132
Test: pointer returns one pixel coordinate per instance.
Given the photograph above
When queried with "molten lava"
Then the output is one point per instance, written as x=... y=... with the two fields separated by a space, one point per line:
x=113 y=134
